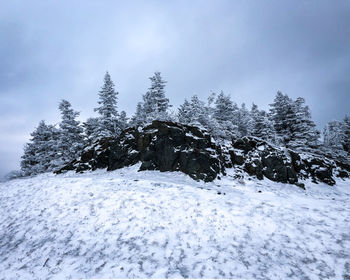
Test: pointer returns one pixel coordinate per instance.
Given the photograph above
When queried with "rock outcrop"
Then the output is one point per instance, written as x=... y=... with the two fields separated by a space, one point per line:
x=168 y=146
x=163 y=146
x=262 y=159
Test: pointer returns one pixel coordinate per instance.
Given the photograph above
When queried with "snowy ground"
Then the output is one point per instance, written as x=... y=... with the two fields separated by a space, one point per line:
x=150 y=224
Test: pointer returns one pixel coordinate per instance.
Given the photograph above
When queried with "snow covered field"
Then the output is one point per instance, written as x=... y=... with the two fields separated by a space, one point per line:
x=150 y=224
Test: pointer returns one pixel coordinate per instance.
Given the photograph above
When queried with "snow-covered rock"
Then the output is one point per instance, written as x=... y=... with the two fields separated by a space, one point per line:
x=163 y=146
x=168 y=146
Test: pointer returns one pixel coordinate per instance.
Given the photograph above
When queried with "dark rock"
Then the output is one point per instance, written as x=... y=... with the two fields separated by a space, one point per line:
x=262 y=159
x=320 y=169
x=278 y=166
x=275 y=169
x=93 y=157
x=284 y=165
x=168 y=146
x=254 y=167
x=247 y=143
x=236 y=157
x=342 y=174
x=176 y=147
x=300 y=185
x=163 y=146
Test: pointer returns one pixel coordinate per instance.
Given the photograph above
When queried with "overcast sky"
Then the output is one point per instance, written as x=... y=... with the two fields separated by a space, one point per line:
x=53 y=50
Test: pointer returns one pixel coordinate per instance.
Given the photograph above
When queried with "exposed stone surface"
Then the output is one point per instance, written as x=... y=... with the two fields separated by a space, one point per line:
x=264 y=160
x=163 y=146
x=284 y=165
x=168 y=146
x=93 y=157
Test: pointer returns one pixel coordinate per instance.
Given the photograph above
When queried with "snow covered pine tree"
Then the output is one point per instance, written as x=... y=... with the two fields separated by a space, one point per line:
x=70 y=140
x=346 y=133
x=139 y=117
x=304 y=132
x=224 y=113
x=155 y=104
x=281 y=114
x=333 y=138
x=260 y=125
x=107 y=124
x=293 y=124
x=41 y=152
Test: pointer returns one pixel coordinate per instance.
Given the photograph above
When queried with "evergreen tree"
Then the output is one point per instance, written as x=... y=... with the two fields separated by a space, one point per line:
x=123 y=120
x=139 y=118
x=155 y=104
x=223 y=110
x=303 y=129
x=243 y=121
x=346 y=134
x=108 y=114
x=224 y=114
x=293 y=123
x=184 y=114
x=40 y=153
x=199 y=115
x=210 y=106
x=333 y=135
x=260 y=125
x=282 y=116
x=91 y=129
x=70 y=142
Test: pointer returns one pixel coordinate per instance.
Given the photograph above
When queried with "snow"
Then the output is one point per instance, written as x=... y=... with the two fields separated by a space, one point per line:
x=261 y=147
x=189 y=134
x=211 y=150
x=150 y=224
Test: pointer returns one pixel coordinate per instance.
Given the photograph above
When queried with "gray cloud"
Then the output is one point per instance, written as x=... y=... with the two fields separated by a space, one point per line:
x=60 y=49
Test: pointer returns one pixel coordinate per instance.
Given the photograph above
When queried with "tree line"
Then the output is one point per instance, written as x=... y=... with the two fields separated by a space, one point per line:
x=287 y=123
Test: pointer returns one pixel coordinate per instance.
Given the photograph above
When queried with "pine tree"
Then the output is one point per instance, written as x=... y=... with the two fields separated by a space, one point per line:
x=243 y=121
x=293 y=123
x=346 y=134
x=199 y=116
x=260 y=125
x=283 y=116
x=303 y=129
x=224 y=114
x=123 y=120
x=108 y=114
x=70 y=142
x=91 y=129
x=139 y=118
x=155 y=104
x=333 y=135
x=184 y=114
x=223 y=110
x=40 y=153
x=333 y=139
